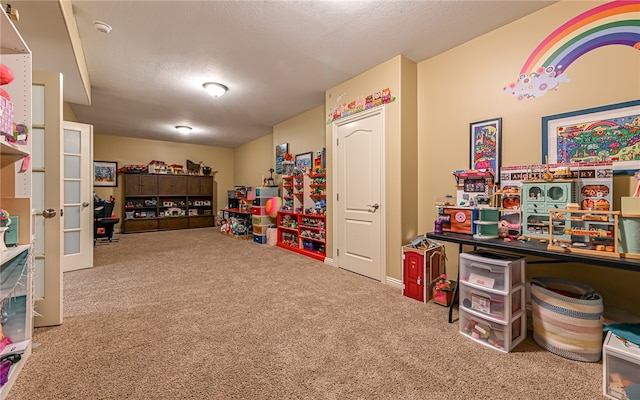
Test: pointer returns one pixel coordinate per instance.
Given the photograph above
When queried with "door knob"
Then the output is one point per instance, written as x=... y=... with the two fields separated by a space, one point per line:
x=85 y=204
x=374 y=206
x=49 y=213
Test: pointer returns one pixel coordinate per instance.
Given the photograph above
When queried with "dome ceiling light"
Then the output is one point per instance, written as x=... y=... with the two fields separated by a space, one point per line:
x=215 y=89
x=183 y=129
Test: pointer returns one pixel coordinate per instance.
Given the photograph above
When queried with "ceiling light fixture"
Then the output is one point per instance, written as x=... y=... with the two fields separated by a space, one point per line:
x=215 y=89
x=102 y=26
x=183 y=129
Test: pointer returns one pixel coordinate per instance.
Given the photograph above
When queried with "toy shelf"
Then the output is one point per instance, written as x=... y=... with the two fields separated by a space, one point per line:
x=585 y=232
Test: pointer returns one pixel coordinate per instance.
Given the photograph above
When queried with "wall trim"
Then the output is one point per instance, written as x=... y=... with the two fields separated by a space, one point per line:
x=329 y=261
x=397 y=283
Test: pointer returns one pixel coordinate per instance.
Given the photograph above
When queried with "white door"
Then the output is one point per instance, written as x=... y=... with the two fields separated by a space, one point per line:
x=359 y=201
x=47 y=196
x=77 y=184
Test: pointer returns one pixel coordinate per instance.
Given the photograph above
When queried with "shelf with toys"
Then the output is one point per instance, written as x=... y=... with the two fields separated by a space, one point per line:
x=301 y=222
x=17 y=217
x=585 y=231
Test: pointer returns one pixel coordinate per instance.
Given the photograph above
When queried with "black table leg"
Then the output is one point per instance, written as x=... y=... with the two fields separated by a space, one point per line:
x=455 y=289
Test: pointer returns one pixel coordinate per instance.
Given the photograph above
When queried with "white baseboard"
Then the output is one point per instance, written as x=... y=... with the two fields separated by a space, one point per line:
x=394 y=282
x=328 y=261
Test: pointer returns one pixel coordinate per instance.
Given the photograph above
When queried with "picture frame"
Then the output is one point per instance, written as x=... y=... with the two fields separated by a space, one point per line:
x=281 y=150
x=105 y=173
x=605 y=133
x=486 y=145
x=304 y=161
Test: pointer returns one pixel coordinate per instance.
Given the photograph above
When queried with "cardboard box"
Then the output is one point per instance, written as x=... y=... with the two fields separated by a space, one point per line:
x=630 y=205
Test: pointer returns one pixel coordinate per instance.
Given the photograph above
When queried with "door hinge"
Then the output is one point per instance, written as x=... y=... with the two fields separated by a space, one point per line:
x=337 y=142
x=338 y=252
x=337 y=196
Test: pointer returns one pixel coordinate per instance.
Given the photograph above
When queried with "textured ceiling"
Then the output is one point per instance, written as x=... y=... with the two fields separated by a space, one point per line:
x=277 y=57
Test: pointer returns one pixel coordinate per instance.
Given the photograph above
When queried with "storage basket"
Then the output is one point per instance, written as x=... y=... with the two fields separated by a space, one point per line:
x=566 y=325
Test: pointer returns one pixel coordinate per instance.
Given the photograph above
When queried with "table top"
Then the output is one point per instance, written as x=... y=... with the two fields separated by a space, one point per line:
x=237 y=211
x=537 y=248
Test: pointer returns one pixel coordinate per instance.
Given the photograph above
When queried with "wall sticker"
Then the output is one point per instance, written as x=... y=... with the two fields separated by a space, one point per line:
x=617 y=22
x=360 y=104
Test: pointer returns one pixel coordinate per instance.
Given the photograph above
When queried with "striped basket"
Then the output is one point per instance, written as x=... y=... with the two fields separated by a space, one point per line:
x=566 y=326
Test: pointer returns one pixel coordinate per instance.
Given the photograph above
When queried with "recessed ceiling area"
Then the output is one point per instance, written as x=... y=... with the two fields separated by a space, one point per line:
x=277 y=58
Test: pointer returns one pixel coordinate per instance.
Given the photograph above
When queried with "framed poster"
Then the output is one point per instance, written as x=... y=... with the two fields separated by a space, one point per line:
x=281 y=150
x=304 y=161
x=485 y=145
x=105 y=173
x=607 y=133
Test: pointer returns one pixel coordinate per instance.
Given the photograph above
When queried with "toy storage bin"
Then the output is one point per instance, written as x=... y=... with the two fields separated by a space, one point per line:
x=621 y=367
x=490 y=270
x=493 y=335
x=267 y=192
x=259 y=210
x=492 y=306
x=262 y=239
x=566 y=318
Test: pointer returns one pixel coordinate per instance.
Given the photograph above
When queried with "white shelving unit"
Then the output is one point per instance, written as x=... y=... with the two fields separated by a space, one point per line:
x=16 y=264
x=492 y=299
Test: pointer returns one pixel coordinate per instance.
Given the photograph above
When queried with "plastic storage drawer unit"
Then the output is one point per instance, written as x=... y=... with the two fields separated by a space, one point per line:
x=491 y=305
x=489 y=270
x=621 y=368
x=498 y=336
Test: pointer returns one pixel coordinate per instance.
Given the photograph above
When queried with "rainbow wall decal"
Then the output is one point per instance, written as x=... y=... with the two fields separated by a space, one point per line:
x=617 y=22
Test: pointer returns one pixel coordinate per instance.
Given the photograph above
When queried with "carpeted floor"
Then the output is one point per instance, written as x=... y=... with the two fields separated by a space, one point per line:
x=193 y=314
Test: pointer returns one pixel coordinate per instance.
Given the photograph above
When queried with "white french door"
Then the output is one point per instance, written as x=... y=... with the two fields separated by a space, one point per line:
x=359 y=173
x=77 y=182
x=47 y=196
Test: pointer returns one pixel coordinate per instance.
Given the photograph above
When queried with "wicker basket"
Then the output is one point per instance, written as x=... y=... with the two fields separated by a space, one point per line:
x=566 y=325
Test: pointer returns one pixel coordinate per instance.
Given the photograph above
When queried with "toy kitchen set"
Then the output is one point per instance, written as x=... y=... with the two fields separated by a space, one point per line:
x=548 y=202
x=471 y=211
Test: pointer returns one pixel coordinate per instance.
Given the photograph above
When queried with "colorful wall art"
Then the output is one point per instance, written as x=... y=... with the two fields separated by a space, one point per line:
x=606 y=133
x=614 y=23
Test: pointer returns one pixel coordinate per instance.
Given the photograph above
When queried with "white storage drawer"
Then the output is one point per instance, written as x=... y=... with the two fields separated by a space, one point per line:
x=494 y=271
x=501 y=307
x=497 y=336
x=621 y=367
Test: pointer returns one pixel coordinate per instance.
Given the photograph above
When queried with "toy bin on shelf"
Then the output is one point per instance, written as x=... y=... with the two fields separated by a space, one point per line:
x=421 y=267
x=621 y=368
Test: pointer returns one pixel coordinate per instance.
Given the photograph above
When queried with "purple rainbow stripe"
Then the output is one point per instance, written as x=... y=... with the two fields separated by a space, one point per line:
x=574 y=24
x=626 y=39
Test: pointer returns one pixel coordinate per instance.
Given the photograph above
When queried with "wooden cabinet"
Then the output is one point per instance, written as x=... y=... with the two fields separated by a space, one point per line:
x=140 y=184
x=16 y=261
x=161 y=202
x=172 y=184
x=199 y=185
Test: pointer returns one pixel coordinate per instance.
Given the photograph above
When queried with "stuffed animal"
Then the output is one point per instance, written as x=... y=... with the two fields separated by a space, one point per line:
x=6 y=77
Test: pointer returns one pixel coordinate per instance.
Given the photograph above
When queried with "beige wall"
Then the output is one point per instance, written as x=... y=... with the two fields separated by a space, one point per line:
x=465 y=85
x=304 y=133
x=140 y=151
x=253 y=160
x=400 y=76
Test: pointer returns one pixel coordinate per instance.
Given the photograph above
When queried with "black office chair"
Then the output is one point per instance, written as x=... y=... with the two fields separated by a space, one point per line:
x=103 y=221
